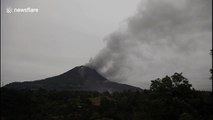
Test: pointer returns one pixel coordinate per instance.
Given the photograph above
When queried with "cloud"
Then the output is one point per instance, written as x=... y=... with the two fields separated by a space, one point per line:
x=163 y=37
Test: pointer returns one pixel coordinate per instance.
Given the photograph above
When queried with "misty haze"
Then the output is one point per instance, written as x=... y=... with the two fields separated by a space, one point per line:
x=158 y=38
x=106 y=56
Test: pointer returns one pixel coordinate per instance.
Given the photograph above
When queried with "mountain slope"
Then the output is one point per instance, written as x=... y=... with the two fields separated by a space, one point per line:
x=80 y=78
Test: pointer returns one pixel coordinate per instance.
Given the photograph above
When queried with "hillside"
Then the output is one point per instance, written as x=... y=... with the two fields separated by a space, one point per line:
x=80 y=78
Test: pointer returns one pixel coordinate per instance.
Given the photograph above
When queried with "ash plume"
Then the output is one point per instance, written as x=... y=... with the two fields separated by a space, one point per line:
x=163 y=37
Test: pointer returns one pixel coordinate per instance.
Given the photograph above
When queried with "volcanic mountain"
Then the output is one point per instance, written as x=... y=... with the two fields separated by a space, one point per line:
x=80 y=78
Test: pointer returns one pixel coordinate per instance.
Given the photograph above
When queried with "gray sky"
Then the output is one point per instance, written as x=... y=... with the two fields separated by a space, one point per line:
x=129 y=41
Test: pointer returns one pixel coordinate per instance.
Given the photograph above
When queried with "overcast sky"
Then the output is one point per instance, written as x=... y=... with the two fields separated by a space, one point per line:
x=128 y=41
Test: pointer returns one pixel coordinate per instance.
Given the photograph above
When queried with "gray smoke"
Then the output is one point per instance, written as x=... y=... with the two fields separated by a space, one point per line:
x=163 y=37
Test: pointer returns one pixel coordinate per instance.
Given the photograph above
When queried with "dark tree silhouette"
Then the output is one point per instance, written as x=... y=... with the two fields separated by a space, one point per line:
x=176 y=81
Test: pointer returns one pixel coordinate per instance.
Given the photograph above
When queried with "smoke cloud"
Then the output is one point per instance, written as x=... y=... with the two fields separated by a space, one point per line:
x=163 y=37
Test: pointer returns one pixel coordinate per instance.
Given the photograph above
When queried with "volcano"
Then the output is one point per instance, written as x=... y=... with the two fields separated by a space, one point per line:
x=81 y=78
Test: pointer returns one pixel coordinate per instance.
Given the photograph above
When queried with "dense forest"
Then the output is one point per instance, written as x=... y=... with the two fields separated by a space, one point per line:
x=169 y=98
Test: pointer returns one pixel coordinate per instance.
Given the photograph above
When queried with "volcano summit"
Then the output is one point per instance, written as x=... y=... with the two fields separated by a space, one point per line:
x=81 y=78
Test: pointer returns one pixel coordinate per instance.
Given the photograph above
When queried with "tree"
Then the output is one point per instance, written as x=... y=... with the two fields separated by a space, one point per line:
x=185 y=116
x=164 y=84
x=180 y=82
x=176 y=84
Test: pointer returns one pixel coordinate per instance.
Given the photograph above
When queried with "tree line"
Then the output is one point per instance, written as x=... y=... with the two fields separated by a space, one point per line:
x=169 y=98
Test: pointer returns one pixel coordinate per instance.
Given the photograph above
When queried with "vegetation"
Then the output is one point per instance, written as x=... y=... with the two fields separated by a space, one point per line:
x=169 y=98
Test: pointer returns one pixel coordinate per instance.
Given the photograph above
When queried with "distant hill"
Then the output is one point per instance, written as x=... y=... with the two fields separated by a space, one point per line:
x=80 y=78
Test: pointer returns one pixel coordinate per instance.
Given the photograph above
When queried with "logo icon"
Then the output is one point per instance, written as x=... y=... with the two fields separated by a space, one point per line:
x=9 y=10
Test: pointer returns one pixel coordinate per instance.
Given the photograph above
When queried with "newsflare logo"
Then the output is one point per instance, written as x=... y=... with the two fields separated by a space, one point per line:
x=9 y=10
x=22 y=10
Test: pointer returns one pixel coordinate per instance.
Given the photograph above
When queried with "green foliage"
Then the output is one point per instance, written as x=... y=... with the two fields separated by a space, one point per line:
x=169 y=98
x=185 y=116
x=175 y=85
x=176 y=81
x=62 y=105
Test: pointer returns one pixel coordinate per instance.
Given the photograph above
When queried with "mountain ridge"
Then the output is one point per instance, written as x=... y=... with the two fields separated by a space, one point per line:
x=80 y=78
